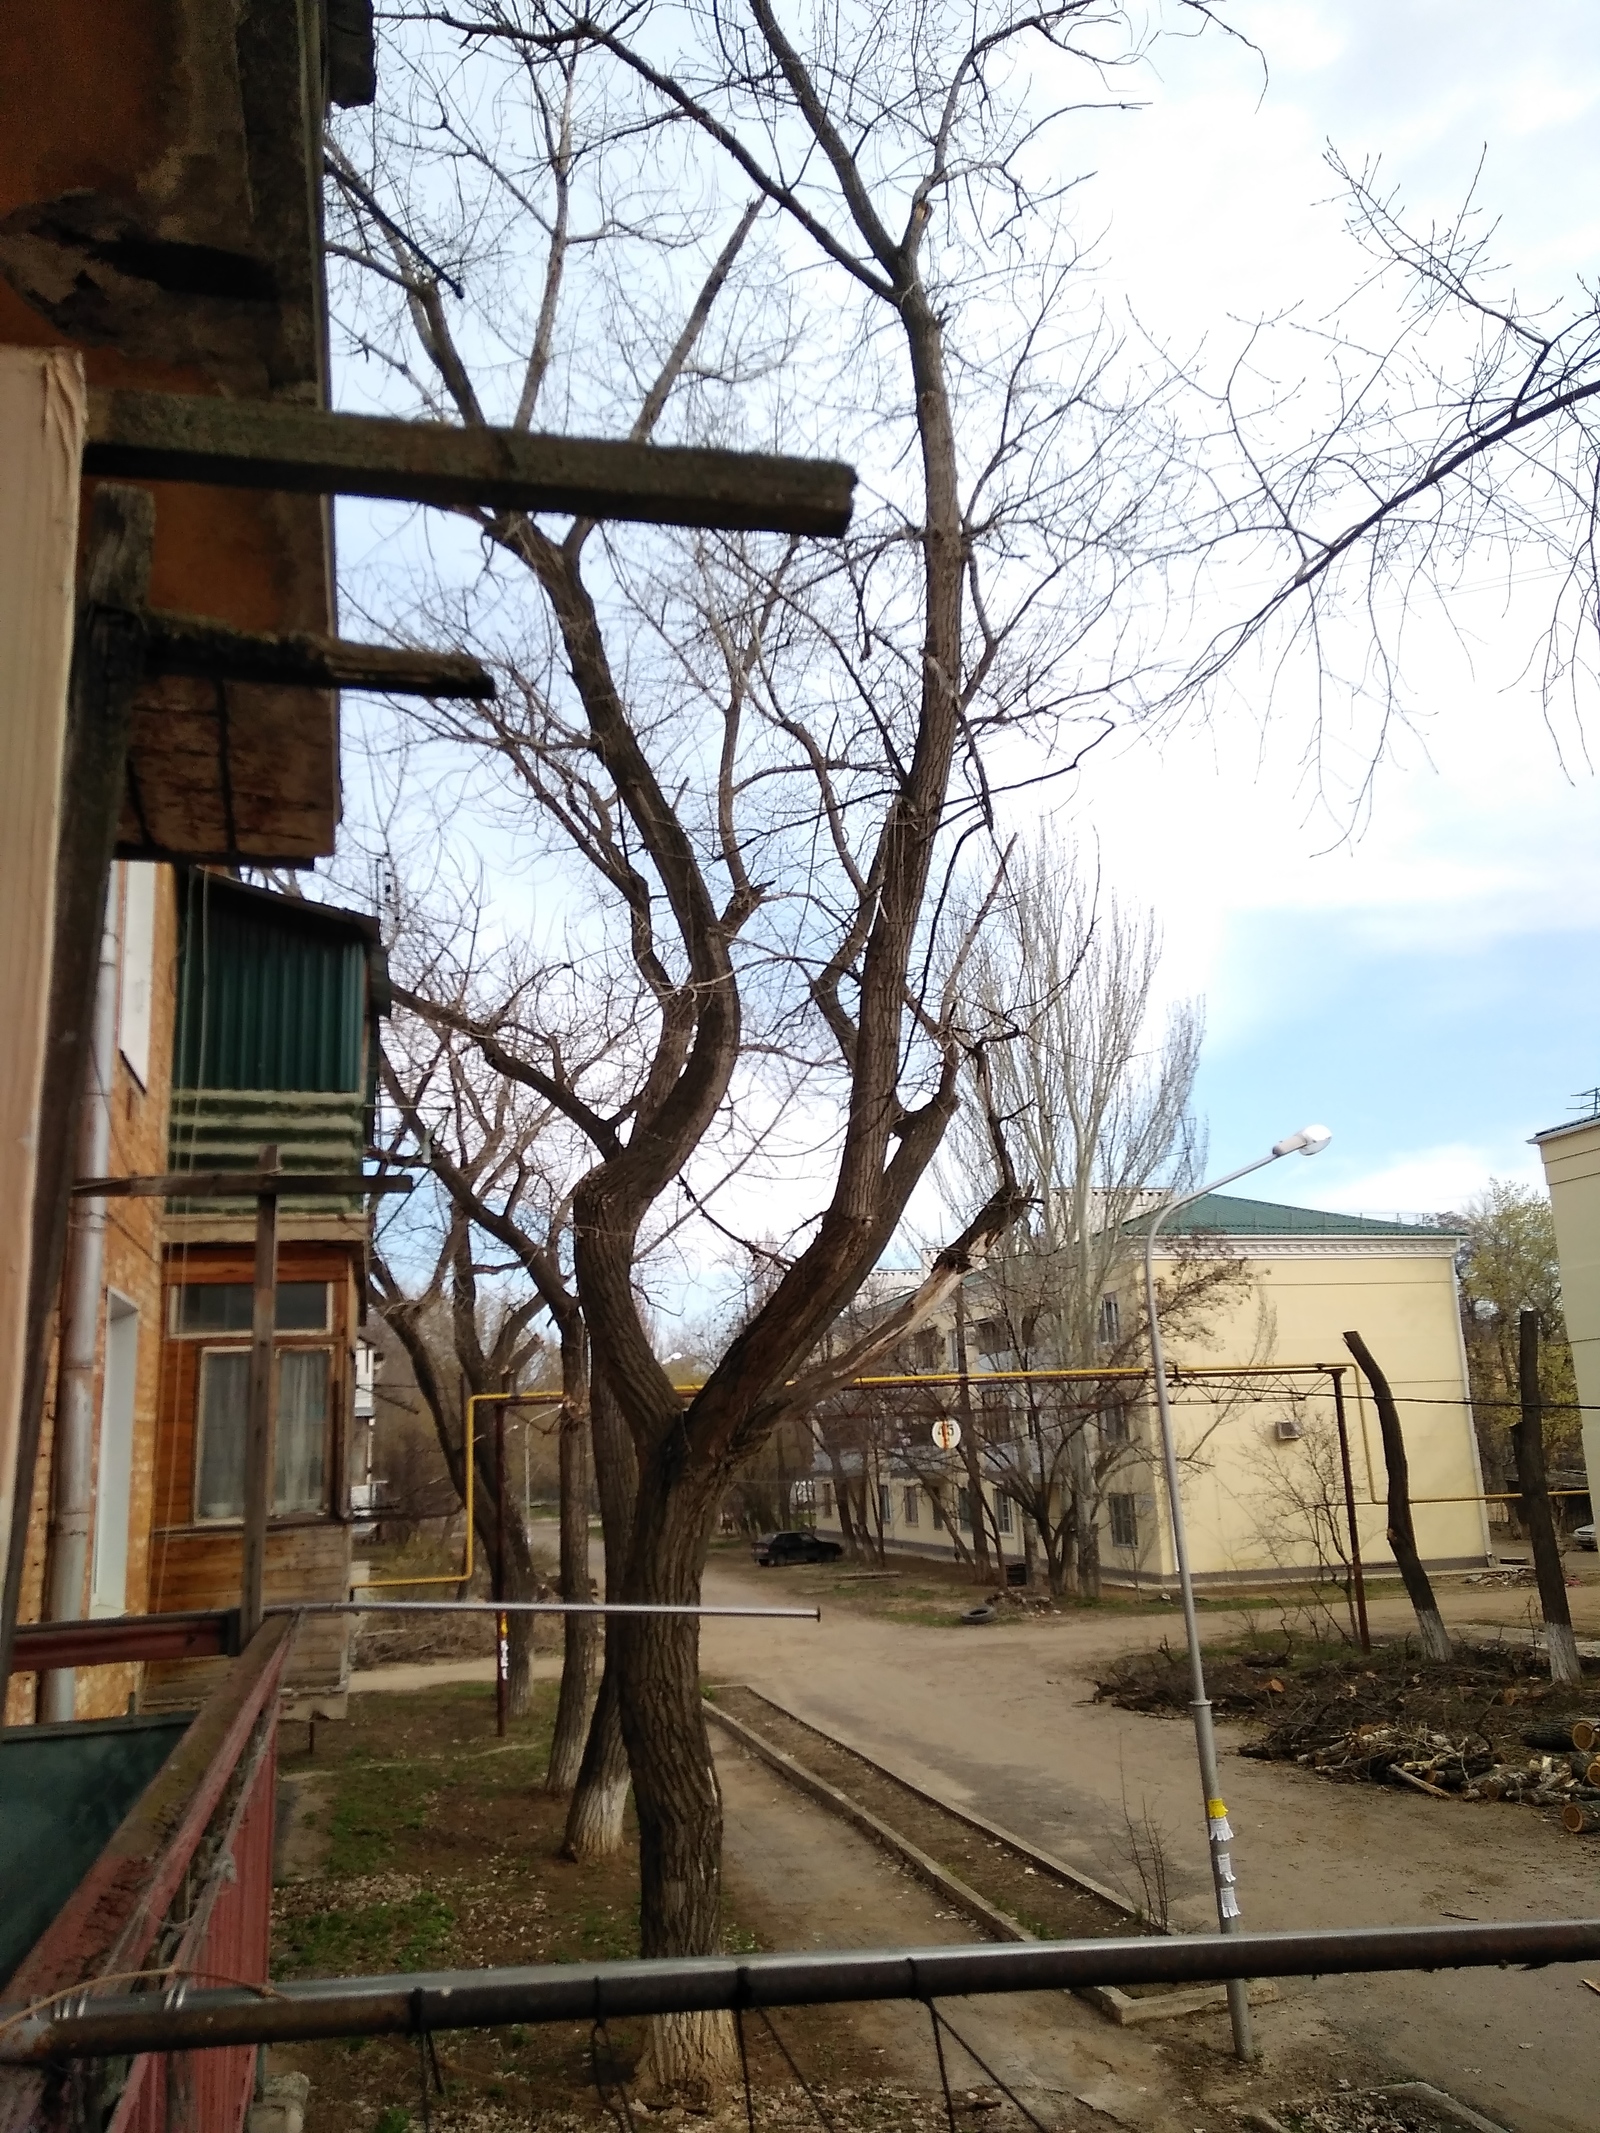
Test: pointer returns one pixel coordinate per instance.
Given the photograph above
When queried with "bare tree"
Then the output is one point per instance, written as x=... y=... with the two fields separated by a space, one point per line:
x=1094 y=1099
x=1462 y=434
x=761 y=758
x=441 y=1324
x=490 y=1146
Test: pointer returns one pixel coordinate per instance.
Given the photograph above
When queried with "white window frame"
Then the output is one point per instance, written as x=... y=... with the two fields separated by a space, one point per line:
x=136 y=980
x=280 y=1349
x=113 y=1478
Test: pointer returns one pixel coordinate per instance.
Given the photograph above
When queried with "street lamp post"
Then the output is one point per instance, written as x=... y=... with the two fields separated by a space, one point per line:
x=1218 y=1831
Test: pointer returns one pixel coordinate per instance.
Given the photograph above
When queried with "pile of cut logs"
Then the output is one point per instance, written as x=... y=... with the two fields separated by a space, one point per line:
x=1562 y=1770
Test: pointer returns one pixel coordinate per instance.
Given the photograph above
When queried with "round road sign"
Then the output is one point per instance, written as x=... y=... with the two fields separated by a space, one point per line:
x=946 y=1434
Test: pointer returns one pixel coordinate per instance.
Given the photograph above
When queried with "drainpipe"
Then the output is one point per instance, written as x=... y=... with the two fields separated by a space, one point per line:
x=83 y=1297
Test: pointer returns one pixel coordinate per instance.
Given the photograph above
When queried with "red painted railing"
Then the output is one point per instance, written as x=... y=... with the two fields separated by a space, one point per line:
x=182 y=1891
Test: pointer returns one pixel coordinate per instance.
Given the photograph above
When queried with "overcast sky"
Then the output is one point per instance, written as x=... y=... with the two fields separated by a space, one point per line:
x=1431 y=988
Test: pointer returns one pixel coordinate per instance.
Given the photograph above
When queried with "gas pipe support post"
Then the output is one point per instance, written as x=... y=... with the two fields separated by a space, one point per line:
x=1357 y=1575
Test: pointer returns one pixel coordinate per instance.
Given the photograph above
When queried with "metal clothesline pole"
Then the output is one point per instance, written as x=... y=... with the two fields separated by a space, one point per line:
x=1219 y=1832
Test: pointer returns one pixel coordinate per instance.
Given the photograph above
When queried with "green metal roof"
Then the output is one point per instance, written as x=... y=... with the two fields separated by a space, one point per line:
x=1231 y=1216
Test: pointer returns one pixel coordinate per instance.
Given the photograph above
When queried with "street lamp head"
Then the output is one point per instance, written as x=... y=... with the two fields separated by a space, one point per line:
x=1310 y=1140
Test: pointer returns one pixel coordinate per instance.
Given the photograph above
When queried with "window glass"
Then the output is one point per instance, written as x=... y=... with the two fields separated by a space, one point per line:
x=885 y=1505
x=213 y=1307
x=911 y=1507
x=302 y=1434
x=1110 y=1321
x=1002 y=1513
x=964 y=1509
x=299 y=1479
x=1124 y=1522
x=224 y=1410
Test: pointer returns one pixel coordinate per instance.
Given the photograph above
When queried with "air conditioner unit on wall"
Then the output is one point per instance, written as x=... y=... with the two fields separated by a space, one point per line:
x=1286 y=1429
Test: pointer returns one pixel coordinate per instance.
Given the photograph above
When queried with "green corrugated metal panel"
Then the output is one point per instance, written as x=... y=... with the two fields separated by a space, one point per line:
x=63 y=1792
x=272 y=994
x=226 y=1129
x=1234 y=1217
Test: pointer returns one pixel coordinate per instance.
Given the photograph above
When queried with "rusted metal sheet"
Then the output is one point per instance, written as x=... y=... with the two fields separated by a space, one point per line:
x=202 y=1633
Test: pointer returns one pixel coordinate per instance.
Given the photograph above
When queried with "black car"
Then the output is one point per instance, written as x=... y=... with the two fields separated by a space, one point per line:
x=772 y=1548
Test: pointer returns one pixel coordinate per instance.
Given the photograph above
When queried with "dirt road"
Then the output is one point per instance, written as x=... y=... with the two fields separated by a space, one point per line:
x=998 y=1717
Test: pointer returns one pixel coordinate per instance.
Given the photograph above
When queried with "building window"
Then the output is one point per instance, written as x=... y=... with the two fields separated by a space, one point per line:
x=938 y=1515
x=210 y=1308
x=1002 y=1512
x=964 y=1509
x=885 y=1505
x=1110 y=1328
x=1124 y=1521
x=1116 y=1425
x=301 y=1446
x=910 y=1507
x=827 y=1499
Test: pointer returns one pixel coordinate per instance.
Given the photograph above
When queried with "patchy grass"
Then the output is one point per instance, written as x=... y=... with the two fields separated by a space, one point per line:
x=443 y=1853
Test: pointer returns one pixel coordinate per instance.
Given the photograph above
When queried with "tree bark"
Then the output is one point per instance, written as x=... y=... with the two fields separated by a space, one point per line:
x=1535 y=1507
x=580 y=1644
x=1087 y=1534
x=1402 y=1534
x=600 y=1797
x=675 y=1782
x=969 y=1441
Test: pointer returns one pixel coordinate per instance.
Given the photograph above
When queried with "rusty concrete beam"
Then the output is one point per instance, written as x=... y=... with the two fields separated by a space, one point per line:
x=246 y=444
x=191 y=644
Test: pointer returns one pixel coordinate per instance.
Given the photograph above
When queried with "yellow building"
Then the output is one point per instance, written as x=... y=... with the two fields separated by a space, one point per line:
x=1263 y=1487
x=1262 y=1473
x=1571 y=1157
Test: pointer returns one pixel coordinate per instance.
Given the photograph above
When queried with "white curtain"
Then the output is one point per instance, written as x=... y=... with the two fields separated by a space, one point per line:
x=298 y=1484
x=224 y=1408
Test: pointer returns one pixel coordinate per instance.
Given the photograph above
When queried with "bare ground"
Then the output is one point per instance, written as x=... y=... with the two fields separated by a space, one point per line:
x=1001 y=1718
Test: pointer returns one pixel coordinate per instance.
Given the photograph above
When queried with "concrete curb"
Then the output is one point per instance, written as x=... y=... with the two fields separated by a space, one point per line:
x=1121 y=2007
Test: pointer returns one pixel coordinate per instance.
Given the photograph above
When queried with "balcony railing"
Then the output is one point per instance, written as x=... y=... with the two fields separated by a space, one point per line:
x=181 y=1894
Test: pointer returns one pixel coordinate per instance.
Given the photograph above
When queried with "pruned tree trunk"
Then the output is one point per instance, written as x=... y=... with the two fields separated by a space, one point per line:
x=679 y=1802
x=1086 y=1536
x=580 y=1644
x=1535 y=1507
x=600 y=1797
x=1402 y=1534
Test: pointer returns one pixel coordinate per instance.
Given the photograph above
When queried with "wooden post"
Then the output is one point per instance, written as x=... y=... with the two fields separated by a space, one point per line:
x=1357 y=1579
x=1402 y=1533
x=43 y=415
x=260 y=1428
x=1528 y=1439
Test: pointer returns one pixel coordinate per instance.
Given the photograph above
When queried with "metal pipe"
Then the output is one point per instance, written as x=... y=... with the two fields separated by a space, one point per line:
x=502 y=1649
x=178 y=2019
x=533 y=1607
x=83 y=1300
x=463 y=1576
x=1357 y=1577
